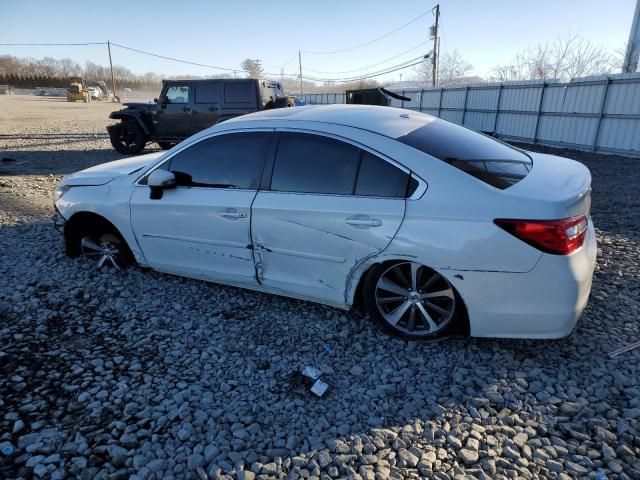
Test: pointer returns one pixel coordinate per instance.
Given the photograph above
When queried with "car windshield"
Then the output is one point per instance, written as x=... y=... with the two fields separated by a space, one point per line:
x=487 y=159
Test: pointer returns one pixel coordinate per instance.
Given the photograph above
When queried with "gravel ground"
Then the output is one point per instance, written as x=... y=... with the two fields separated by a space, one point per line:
x=144 y=375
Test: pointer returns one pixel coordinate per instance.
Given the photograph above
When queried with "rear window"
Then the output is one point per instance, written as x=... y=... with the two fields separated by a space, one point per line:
x=483 y=157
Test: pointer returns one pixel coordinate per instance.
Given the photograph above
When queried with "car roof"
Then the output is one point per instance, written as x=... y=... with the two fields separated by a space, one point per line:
x=388 y=121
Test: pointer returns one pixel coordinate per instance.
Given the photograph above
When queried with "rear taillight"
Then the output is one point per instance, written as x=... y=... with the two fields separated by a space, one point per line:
x=559 y=237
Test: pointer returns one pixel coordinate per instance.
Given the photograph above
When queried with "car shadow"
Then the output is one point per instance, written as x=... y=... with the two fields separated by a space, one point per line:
x=213 y=356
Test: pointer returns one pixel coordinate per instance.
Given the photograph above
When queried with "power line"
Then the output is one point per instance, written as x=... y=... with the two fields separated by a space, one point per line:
x=289 y=61
x=371 y=76
x=385 y=71
x=175 y=59
x=193 y=63
x=318 y=52
x=234 y=70
x=375 y=64
x=51 y=44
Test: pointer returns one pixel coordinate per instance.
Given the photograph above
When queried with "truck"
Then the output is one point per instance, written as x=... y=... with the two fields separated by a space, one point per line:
x=186 y=107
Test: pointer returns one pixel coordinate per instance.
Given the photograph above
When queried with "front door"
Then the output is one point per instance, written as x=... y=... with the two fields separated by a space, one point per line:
x=330 y=206
x=172 y=120
x=202 y=227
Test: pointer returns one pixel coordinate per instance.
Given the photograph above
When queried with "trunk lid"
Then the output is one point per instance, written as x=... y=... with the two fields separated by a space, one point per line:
x=561 y=183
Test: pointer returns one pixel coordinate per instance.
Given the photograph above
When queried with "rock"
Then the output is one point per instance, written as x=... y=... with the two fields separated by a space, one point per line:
x=409 y=458
x=356 y=370
x=454 y=442
x=469 y=457
x=194 y=461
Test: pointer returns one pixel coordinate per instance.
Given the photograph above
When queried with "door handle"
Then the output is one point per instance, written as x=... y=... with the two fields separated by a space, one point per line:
x=186 y=109
x=212 y=109
x=230 y=214
x=363 y=222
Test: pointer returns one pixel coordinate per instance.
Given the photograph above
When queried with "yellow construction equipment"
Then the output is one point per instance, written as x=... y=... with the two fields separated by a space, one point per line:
x=77 y=91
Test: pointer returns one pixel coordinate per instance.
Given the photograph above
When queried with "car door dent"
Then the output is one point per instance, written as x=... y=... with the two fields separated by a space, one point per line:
x=313 y=256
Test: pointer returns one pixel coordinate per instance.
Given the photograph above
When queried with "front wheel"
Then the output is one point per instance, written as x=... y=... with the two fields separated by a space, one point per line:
x=411 y=300
x=127 y=138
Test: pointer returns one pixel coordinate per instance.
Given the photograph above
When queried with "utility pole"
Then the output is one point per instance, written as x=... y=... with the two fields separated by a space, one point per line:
x=300 y=66
x=436 y=53
x=113 y=80
x=633 y=45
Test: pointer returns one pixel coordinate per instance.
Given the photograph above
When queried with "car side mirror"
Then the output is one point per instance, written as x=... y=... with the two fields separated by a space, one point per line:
x=160 y=180
x=163 y=100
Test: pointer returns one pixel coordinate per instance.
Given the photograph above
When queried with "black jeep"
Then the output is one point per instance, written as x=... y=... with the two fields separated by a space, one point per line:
x=186 y=107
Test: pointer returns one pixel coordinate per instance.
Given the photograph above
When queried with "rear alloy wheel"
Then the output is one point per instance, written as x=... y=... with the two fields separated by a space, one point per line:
x=411 y=300
x=108 y=249
x=127 y=138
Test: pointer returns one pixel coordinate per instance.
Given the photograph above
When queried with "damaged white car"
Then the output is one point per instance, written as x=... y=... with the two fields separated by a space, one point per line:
x=426 y=223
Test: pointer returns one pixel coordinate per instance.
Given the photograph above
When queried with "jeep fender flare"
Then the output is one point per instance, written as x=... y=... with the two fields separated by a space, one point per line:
x=124 y=117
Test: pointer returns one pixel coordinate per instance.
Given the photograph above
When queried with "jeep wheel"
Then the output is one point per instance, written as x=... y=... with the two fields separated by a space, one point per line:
x=127 y=138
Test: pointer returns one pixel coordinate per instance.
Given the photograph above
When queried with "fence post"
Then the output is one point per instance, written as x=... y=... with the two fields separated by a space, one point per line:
x=440 y=102
x=495 y=119
x=604 y=101
x=535 y=133
x=420 y=105
x=464 y=108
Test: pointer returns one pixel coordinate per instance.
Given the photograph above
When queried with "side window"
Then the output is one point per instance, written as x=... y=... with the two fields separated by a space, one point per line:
x=239 y=92
x=226 y=161
x=207 y=92
x=178 y=94
x=314 y=164
x=379 y=178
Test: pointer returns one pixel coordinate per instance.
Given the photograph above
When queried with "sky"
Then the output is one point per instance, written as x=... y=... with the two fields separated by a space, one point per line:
x=223 y=33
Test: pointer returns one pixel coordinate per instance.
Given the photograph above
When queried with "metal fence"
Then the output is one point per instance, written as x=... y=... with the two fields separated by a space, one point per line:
x=597 y=114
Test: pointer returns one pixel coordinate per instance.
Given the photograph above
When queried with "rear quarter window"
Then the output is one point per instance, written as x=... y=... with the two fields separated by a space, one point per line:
x=240 y=92
x=481 y=156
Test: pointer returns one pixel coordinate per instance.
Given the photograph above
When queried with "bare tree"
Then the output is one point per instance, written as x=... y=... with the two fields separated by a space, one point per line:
x=627 y=58
x=565 y=58
x=252 y=67
x=451 y=69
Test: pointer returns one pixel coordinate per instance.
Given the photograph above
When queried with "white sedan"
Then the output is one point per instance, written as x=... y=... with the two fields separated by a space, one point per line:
x=428 y=224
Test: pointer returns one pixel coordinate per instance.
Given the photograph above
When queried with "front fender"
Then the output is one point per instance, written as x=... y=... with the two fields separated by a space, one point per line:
x=130 y=116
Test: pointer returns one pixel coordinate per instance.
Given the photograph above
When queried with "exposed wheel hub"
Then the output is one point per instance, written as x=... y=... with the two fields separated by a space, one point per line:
x=106 y=250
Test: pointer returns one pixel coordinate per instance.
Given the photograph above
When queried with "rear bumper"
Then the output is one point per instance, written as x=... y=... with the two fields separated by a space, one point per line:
x=543 y=303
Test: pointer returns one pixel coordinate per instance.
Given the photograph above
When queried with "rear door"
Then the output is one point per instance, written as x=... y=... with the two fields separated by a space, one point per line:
x=330 y=205
x=206 y=107
x=202 y=227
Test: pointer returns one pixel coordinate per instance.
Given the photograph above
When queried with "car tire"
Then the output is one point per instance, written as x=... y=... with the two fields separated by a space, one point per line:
x=411 y=300
x=127 y=138
x=103 y=243
x=166 y=145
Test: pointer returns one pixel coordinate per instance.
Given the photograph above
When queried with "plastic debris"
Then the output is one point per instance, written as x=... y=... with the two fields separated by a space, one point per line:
x=624 y=349
x=327 y=348
x=311 y=372
x=319 y=388
x=306 y=380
